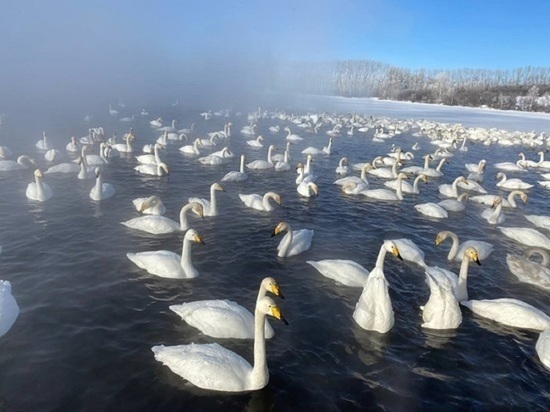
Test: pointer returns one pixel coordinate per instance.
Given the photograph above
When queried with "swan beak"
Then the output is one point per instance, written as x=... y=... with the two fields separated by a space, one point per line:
x=276 y=231
x=398 y=255
x=276 y=291
x=476 y=259
x=198 y=239
x=97 y=174
x=276 y=313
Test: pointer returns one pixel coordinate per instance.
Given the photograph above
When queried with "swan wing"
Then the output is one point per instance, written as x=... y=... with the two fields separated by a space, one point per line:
x=253 y=200
x=540 y=221
x=235 y=176
x=510 y=312
x=153 y=224
x=374 y=309
x=220 y=319
x=432 y=210
x=160 y=262
x=208 y=366
x=409 y=251
x=204 y=202
x=347 y=272
x=543 y=348
x=484 y=249
x=301 y=241
x=63 y=168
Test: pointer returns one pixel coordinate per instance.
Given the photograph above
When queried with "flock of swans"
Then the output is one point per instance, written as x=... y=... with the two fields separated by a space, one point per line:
x=384 y=179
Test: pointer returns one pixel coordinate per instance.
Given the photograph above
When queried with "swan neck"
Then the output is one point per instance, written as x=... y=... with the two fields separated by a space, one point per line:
x=260 y=372
x=186 y=263
x=184 y=224
x=242 y=164
x=265 y=201
x=454 y=248
x=512 y=198
x=462 y=286
x=286 y=242
x=380 y=258
x=415 y=184
x=394 y=169
x=39 y=187
x=399 y=191
x=269 y=151
x=427 y=162
x=213 y=204
x=440 y=165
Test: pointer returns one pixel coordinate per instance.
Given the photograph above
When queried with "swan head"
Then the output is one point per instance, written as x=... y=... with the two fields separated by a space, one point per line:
x=392 y=248
x=276 y=197
x=260 y=139
x=198 y=209
x=217 y=186
x=271 y=285
x=150 y=202
x=496 y=202
x=402 y=176
x=192 y=235
x=37 y=173
x=281 y=226
x=164 y=167
x=97 y=172
x=441 y=236
x=500 y=175
x=268 y=306
x=523 y=197
x=423 y=177
x=471 y=253
x=314 y=188
x=462 y=179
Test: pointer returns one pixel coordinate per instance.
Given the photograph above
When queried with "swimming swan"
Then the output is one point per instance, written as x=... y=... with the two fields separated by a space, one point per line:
x=455 y=205
x=9 y=310
x=212 y=367
x=224 y=318
x=263 y=164
x=235 y=176
x=151 y=205
x=44 y=144
x=294 y=241
x=511 y=184
x=38 y=190
x=528 y=271
x=442 y=310
x=510 y=312
x=168 y=264
x=258 y=202
x=159 y=225
x=373 y=310
x=23 y=162
x=509 y=202
x=151 y=159
x=494 y=216
x=101 y=191
x=457 y=250
x=539 y=220
x=308 y=189
x=153 y=170
x=210 y=207
x=386 y=194
x=432 y=209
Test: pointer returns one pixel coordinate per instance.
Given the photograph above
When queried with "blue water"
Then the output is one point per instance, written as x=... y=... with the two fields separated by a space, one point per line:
x=89 y=316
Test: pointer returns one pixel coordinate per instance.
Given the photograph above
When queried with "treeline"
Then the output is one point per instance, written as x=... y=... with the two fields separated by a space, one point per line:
x=524 y=88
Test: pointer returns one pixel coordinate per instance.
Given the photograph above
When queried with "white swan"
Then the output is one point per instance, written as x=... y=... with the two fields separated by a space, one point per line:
x=283 y=165
x=168 y=264
x=308 y=189
x=9 y=310
x=157 y=123
x=210 y=207
x=263 y=164
x=126 y=147
x=460 y=283
x=510 y=312
x=5 y=152
x=235 y=176
x=258 y=202
x=442 y=310
x=212 y=367
x=192 y=149
x=160 y=225
x=455 y=205
x=529 y=271
x=406 y=187
x=457 y=250
x=386 y=194
x=101 y=191
x=154 y=170
x=257 y=142
x=510 y=167
x=294 y=241
x=540 y=221
x=86 y=172
x=452 y=189
x=373 y=310
x=44 y=144
x=52 y=155
x=355 y=179
x=384 y=172
x=510 y=202
x=511 y=184
x=224 y=318
x=38 y=190
x=346 y=272
x=527 y=236
x=343 y=168
x=315 y=151
x=494 y=216
x=23 y=162
x=63 y=168
x=432 y=210
x=543 y=348
x=151 y=159
x=409 y=251
x=471 y=185
x=352 y=188
x=435 y=172
x=218 y=158
x=417 y=169
x=292 y=137
x=151 y=205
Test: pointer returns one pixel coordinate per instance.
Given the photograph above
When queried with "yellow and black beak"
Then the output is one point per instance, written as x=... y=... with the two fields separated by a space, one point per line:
x=198 y=239
x=277 y=291
x=476 y=259
x=276 y=313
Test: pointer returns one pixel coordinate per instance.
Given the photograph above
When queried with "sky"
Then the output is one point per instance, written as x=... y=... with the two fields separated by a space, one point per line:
x=101 y=46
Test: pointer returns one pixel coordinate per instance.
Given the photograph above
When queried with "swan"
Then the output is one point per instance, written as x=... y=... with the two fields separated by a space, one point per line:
x=217 y=158
x=43 y=144
x=212 y=367
x=283 y=165
x=510 y=202
x=314 y=151
x=192 y=149
x=523 y=162
x=527 y=236
x=509 y=184
x=294 y=241
x=457 y=250
x=101 y=191
x=460 y=283
x=385 y=172
x=263 y=164
x=151 y=205
x=157 y=123
x=442 y=310
x=5 y=152
x=249 y=130
x=86 y=172
x=235 y=176
x=510 y=167
x=256 y=142
x=510 y=312
x=435 y=172
x=154 y=170
x=38 y=190
x=189 y=130
x=63 y=168
x=72 y=146
x=355 y=179
x=346 y=272
x=407 y=187
x=543 y=164
x=169 y=129
x=113 y=112
x=352 y=188
x=471 y=185
x=126 y=147
x=163 y=139
x=258 y=202
x=280 y=157
x=23 y=162
x=452 y=189
x=343 y=168
x=416 y=146
x=9 y=310
x=307 y=189
x=432 y=210
x=409 y=251
x=540 y=221
x=477 y=176
x=494 y=216
x=274 y=129
x=373 y=310
x=226 y=319
x=417 y=169
x=210 y=206
x=455 y=205
x=543 y=348
x=292 y=137
x=302 y=176
x=160 y=225
x=476 y=167
x=386 y=194
x=528 y=271
x=151 y=159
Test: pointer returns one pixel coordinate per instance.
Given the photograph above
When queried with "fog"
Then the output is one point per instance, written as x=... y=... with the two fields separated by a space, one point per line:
x=65 y=54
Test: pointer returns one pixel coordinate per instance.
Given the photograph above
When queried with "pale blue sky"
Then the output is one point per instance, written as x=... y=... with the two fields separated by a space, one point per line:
x=118 y=44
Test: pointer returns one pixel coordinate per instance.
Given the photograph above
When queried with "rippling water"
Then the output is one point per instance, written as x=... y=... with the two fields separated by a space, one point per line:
x=89 y=316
